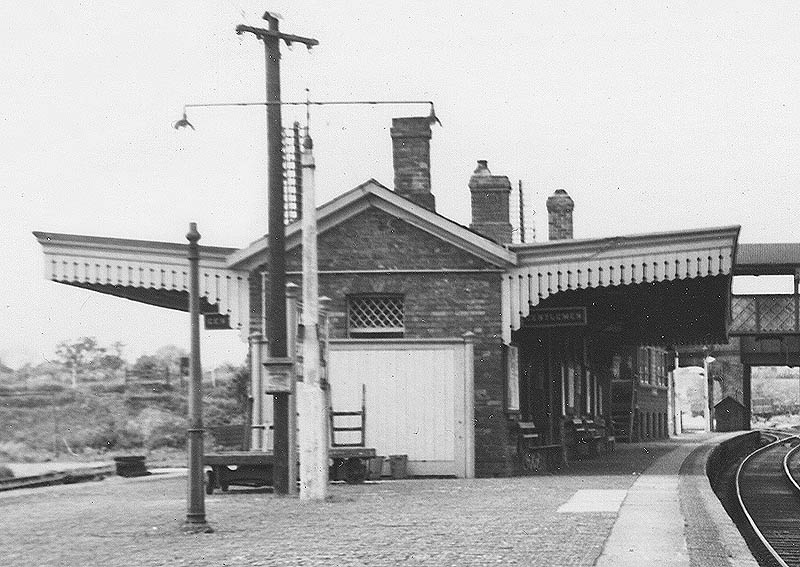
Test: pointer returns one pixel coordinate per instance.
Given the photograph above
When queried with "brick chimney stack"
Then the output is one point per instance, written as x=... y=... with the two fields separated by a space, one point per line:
x=559 y=215
x=490 y=194
x=411 y=145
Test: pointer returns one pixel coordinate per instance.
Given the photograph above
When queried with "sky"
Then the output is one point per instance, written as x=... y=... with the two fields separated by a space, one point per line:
x=654 y=116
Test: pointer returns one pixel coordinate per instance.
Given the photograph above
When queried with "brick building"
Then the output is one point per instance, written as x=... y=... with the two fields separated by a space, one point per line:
x=549 y=328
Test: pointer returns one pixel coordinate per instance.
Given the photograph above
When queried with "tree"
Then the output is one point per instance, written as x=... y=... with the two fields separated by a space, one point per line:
x=170 y=358
x=162 y=365
x=78 y=356
x=148 y=368
x=111 y=363
x=238 y=388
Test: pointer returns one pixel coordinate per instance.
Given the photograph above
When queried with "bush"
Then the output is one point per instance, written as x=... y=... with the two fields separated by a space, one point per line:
x=102 y=437
x=14 y=451
x=222 y=411
x=161 y=429
x=107 y=387
x=45 y=382
x=6 y=472
x=101 y=417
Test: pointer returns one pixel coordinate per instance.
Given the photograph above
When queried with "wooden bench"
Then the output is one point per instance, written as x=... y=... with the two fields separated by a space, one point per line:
x=586 y=433
x=534 y=455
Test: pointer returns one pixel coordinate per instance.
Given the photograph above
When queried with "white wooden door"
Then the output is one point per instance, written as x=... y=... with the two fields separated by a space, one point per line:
x=418 y=399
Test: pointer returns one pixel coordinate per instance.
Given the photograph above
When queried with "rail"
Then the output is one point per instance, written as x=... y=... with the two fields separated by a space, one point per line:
x=787 y=469
x=53 y=478
x=779 y=440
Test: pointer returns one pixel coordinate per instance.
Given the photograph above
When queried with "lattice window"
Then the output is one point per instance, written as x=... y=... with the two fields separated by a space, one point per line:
x=776 y=312
x=375 y=316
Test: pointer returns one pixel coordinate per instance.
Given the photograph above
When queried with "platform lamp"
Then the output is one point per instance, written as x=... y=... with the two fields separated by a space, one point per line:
x=196 y=514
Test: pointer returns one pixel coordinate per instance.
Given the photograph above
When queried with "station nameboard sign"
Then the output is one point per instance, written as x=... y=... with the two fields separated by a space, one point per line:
x=216 y=321
x=556 y=317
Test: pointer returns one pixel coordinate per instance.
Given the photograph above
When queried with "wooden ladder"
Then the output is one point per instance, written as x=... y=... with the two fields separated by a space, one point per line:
x=362 y=427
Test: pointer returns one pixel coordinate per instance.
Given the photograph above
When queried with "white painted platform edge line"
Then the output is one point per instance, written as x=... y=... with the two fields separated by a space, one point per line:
x=736 y=549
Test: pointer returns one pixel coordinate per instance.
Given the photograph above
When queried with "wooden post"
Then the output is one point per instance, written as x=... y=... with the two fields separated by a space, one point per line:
x=747 y=400
x=257 y=426
x=313 y=411
x=675 y=424
x=292 y=292
x=323 y=334
x=196 y=514
x=469 y=401
x=276 y=303
x=708 y=393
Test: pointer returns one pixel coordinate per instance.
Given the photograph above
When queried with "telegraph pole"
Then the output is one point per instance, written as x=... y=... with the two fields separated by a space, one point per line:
x=521 y=215
x=276 y=300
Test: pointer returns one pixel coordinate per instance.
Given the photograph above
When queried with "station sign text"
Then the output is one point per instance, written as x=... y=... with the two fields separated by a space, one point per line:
x=557 y=317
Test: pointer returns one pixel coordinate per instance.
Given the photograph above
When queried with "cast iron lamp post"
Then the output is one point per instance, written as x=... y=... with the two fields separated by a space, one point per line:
x=196 y=513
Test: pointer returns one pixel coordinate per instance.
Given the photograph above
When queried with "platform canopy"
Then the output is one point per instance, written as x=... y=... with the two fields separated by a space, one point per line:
x=156 y=273
x=667 y=288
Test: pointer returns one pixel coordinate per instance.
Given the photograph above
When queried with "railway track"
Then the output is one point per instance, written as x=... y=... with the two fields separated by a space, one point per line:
x=769 y=497
x=53 y=478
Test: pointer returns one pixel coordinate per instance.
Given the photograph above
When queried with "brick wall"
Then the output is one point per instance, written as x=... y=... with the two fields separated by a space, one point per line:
x=441 y=305
x=489 y=195
x=411 y=157
x=559 y=215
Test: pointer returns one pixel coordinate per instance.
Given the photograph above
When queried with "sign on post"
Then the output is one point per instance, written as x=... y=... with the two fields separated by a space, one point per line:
x=216 y=321
x=279 y=375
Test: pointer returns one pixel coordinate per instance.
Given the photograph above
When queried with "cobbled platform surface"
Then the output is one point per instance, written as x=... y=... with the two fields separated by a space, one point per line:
x=503 y=521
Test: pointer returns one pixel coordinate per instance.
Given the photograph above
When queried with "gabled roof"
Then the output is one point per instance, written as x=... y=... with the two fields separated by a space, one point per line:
x=373 y=194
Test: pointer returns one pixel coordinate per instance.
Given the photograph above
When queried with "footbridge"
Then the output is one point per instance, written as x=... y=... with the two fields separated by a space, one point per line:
x=764 y=328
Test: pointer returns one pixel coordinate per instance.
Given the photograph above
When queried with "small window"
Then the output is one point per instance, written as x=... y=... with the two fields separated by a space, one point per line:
x=375 y=316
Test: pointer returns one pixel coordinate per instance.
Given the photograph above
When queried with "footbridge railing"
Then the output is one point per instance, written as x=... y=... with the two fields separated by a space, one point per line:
x=774 y=314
